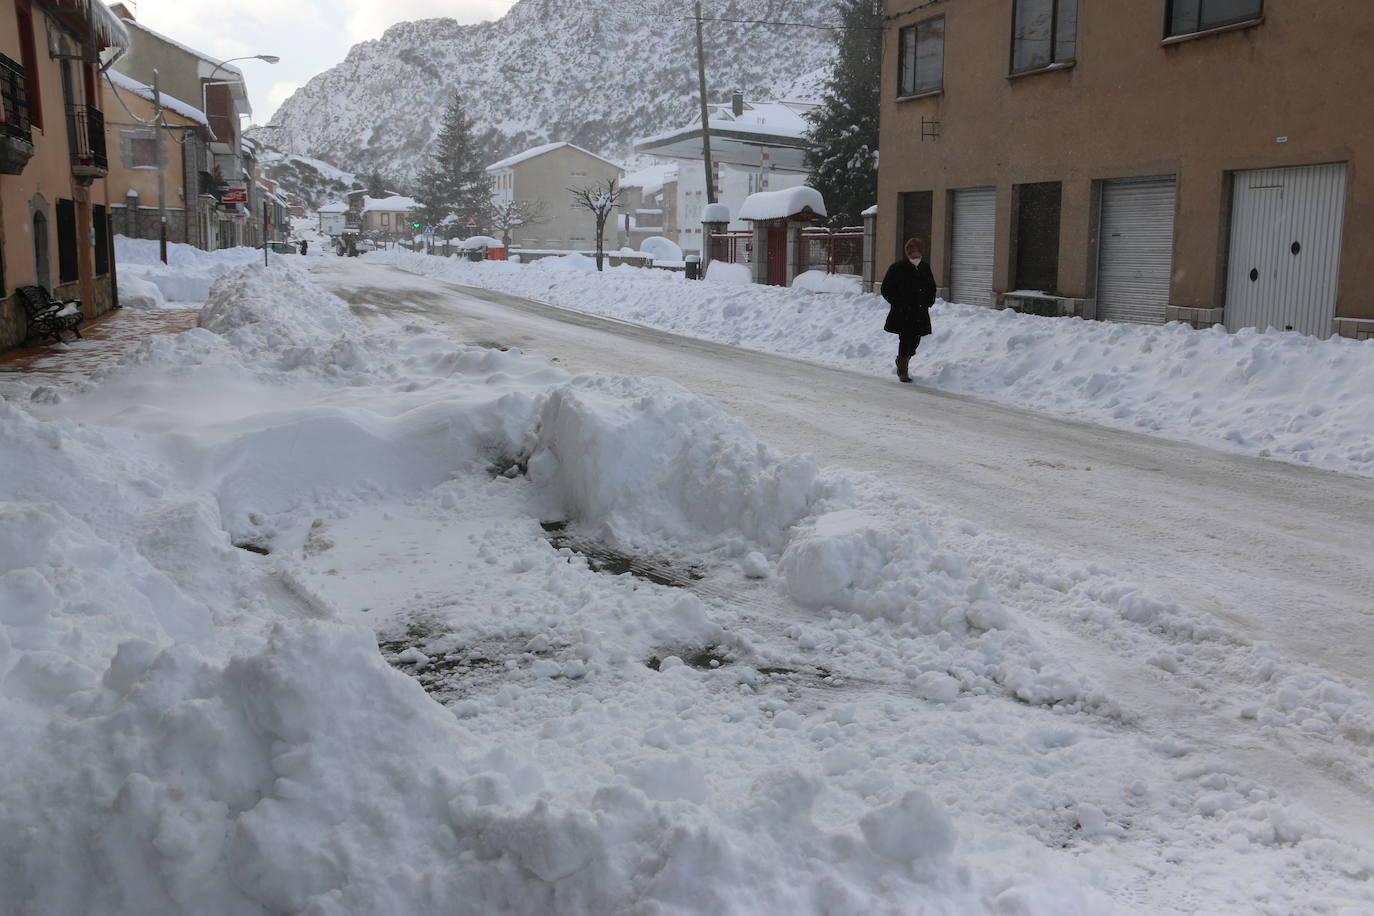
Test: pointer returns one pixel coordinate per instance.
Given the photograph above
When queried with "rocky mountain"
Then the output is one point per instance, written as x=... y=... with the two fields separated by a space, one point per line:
x=597 y=73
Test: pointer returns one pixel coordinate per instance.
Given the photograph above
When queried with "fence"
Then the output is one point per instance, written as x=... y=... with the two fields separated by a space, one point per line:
x=733 y=247
x=837 y=252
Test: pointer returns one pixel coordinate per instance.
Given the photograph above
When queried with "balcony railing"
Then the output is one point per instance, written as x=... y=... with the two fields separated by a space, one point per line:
x=86 y=131
x=15 y=100
x=16 y=139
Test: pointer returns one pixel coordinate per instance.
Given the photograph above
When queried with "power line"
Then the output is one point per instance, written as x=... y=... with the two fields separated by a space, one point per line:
x=799 y=25
x=915 y=9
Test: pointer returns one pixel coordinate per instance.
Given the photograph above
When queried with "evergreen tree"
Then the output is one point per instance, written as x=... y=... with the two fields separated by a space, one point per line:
x=844 y=130
x=376 y=187
x=455 y=183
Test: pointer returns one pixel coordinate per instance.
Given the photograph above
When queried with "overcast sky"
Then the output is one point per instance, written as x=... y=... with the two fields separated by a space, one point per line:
x=308 y=35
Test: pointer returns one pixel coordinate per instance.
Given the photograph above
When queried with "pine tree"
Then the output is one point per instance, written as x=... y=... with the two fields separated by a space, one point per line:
x=455 y=184
x=844 y=129
x=376 y=187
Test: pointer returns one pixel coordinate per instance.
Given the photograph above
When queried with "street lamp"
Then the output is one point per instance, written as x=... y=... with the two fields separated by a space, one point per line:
x=210 y=80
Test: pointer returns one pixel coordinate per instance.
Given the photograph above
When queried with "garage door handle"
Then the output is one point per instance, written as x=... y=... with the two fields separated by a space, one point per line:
x=1254 y=275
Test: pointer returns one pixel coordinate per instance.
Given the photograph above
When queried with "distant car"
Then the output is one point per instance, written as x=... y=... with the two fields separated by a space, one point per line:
x=281 y=247
x=366 y=245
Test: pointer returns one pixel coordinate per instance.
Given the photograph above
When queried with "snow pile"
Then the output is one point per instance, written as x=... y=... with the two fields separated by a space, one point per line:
x=188 y=273
x=613 y=450
x=762 y=205
x=818 y=281
x=837 y=705
x=731 y=274
x=1271 y=394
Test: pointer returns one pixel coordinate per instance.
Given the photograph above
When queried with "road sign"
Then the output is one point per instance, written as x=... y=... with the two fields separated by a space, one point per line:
x=235 y=196
x=429 y=230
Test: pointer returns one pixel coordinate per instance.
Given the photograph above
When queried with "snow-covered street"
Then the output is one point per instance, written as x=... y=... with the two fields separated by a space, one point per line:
x=757 y=636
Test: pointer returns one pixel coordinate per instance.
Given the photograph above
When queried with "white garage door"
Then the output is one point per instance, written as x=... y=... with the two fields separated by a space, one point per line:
x=1285 y=255
x=974 y=221
x=1135 y=250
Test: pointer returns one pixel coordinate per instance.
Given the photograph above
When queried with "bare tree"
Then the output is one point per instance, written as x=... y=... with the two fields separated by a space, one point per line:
x=509 y=214
x=600 y=200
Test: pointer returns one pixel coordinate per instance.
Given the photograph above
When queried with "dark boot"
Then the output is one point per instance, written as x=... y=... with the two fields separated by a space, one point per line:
x=902 y=363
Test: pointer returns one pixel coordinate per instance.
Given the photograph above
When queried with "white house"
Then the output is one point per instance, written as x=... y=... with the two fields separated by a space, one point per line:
x=332 y=218
x=755 y=146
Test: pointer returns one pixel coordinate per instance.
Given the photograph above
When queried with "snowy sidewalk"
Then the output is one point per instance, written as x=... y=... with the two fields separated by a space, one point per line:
x=104 y=342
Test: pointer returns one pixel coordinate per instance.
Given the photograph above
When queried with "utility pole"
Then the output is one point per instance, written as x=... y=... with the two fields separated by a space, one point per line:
x=705 y=114
x=161 y=173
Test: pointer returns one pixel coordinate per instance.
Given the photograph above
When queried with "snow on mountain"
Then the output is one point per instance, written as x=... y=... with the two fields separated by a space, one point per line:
x=596 y=74
x=315 y=181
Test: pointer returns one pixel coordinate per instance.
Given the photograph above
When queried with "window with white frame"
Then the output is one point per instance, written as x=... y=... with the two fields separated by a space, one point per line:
x=1188 y=16
x=1043 y=33
x=921 y=55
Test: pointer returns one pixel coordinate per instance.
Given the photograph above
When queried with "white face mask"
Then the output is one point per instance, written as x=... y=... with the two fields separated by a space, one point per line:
x=915 y=262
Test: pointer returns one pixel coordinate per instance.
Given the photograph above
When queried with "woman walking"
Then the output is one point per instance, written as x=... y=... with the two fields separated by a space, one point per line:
x=909 y=288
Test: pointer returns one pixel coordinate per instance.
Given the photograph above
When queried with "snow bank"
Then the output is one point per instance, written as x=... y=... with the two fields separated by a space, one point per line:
x=189 y=272
x=781 y=204
x=1271 y=394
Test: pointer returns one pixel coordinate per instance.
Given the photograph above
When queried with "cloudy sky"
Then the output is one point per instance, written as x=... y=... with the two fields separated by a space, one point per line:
x=308 y=35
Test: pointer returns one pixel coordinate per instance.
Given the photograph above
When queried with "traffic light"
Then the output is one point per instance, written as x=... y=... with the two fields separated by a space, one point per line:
x=415 y=225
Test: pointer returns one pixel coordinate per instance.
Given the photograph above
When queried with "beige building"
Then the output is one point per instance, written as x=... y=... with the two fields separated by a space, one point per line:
x=389 y=216
x=135 y=151
x=1210 y=161
x=545 y=173
x=54 y=204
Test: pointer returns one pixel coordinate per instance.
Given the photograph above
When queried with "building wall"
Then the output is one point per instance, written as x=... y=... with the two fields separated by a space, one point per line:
x=1293 y=90
x=46 y=179
x=548 y=178
x=733 y=184
x=181 y=169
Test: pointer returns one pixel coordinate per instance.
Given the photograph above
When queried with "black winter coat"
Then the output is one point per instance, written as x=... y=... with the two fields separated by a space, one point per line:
x=910 y=291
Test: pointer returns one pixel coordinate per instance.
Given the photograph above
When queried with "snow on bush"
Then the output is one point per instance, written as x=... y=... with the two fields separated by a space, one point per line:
x=818 y=281
x=661 y=249
x=1266 y=393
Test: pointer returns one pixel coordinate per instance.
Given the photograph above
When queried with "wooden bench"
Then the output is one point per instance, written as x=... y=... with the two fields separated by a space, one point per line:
x=49 y=317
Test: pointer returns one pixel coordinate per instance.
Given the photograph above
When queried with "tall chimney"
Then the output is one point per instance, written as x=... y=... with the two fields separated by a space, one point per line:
x=737 y=102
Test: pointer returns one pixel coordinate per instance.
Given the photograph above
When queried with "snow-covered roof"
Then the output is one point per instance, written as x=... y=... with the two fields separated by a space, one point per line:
x=144 y=91
x=335 y=207
x=871 y=211
x=716 y=213
x=531 y=153
x=651 y=178
x=782 y=204
x=389 y=204
x=775 y=128
x=217 y=69
x=222 y=67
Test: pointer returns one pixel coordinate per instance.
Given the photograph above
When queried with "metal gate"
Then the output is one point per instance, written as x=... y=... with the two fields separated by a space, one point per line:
x=1135 y=249
x=1285 y=248
x=973 y=225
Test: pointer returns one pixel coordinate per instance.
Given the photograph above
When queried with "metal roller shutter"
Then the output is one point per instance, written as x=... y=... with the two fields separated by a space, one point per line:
x=1285 y=248
x=1135 y=251
x=974 y=224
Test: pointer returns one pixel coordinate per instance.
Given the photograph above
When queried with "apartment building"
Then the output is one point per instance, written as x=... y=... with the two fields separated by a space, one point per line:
x=54 y=201
x=542 y=176
x=1210 y=161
